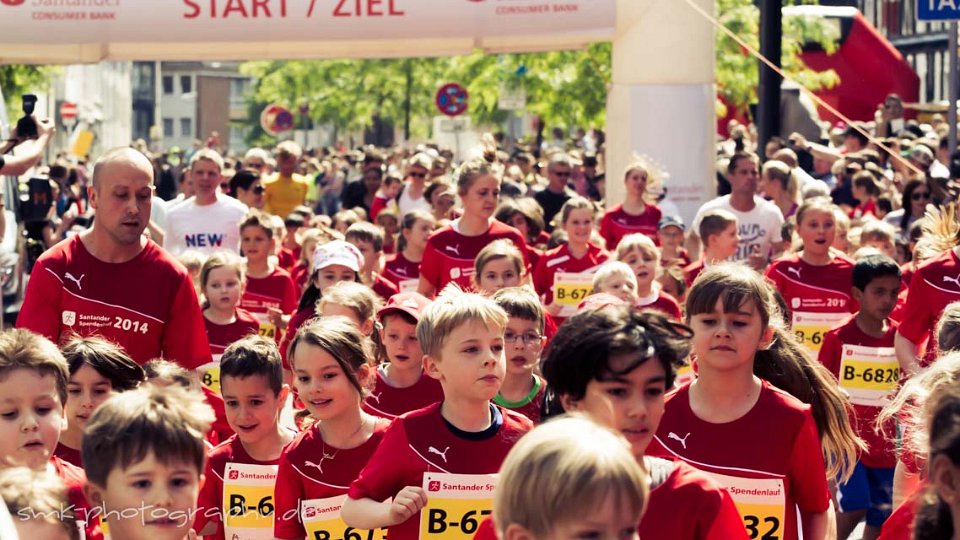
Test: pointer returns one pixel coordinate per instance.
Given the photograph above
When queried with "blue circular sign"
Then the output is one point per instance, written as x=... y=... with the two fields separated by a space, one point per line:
x=451 y=99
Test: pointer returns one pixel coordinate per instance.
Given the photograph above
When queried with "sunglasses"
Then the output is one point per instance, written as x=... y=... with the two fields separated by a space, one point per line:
x=417 y=175
x=561 y=174
x=255 y=165
x=920 y=196
x=258 y=190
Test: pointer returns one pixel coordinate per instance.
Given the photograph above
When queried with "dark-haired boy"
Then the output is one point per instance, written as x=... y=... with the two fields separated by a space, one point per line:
x=860 y=353
x=522 y=390
x=237 y=498
x=143 y=452
x=719 y=231
x=368 y=238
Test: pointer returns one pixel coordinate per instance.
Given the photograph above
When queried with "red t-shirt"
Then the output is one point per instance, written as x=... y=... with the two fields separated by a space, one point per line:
x=384 y=287
x=389 y=402
x=899 y=526
x=300 y=274
x=74 y=479
x=303 y=478
x=691 y=271
x=449 y=255
x=683 y=258
x=210 y=501
x=615 y=224
x=663 y=303
x=880 y=451
x=222 y=336
x=402 y=271
x=146 y=305
x=559 y=259
x=411 y=447
x=818 y=296
x=708 y=509
x=70 y=455
x=935 y=284
x=298 y=320
x=287 y=258
x=774 y=448
x=273 y=291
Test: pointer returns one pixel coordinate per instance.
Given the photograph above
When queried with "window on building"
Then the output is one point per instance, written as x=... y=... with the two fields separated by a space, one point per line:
x=168 y=127
x=186 y=127
x=168 y=84
x=186 y=84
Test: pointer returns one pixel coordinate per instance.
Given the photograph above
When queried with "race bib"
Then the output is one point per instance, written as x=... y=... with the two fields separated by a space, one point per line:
x=456 y=505
x=870 y=375
x=321 y=519
x=569 y=289
x=210 y=374
x=685 y=374
x=409 y=285
x=268 y=330
x=248 y=501
x=760 y=502
x=810 y=327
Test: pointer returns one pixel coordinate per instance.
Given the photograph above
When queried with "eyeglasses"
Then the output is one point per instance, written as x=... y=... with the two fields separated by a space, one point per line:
x=920 y=196
x=530 y=339
x=257 y=190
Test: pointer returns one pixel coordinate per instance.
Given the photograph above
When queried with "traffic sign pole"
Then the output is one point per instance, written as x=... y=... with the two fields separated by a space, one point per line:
x=953 y=89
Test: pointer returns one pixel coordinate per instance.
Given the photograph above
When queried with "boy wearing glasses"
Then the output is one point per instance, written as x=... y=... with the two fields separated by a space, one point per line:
x=523 y=341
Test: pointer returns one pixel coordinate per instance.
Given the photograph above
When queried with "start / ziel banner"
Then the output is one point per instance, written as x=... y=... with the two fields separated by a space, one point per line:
x=91 y=22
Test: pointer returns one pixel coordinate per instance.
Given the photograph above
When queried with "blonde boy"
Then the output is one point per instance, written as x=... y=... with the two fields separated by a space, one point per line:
x=143 y=452
x=570 y=478
x=522 y=391
x=461 y=336
x=616 y=278
x=38 y=504
x=880 y=235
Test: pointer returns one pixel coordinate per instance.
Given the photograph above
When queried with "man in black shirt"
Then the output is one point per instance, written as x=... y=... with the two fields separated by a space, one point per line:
x=552 y=197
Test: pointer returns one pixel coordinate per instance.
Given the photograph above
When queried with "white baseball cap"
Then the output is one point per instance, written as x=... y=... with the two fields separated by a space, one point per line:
x=337 y=252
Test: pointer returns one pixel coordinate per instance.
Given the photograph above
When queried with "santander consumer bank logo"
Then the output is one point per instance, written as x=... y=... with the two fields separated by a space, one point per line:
x=12 y=2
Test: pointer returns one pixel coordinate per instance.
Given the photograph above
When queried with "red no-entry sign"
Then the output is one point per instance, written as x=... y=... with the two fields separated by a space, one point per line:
x=451 y=99
x=68 y=113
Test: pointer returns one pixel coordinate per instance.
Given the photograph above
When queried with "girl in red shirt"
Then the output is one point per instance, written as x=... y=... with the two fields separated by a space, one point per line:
x=756 y=439
x=578 y=256
x=221 y=281
x=635 y=214
x=815 y=282
x=451 y=250
x=331 y=360
x=403 y=268
x=497 y=266
x=643 y=257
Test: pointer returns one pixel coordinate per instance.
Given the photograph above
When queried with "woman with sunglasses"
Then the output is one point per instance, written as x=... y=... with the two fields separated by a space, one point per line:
x=415 y=183
x=916 y=196
x=635 y=214
x=246 y=187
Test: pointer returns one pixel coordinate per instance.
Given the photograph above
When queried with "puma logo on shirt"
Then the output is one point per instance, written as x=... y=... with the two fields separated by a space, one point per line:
x=375 y=397
x=453 y=249
x=76 y=280
x=443 y=454
x=677 y=438
x=952 y=279
x=795 y=270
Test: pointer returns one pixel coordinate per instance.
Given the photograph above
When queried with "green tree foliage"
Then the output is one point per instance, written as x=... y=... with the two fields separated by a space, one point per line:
x=18 y=79
x=737 y=70
x=563 y=88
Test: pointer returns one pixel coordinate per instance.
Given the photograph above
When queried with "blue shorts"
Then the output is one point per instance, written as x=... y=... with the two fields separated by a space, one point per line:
x=869 y=489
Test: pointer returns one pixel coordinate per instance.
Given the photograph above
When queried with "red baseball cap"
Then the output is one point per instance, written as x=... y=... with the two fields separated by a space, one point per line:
x=410 y=303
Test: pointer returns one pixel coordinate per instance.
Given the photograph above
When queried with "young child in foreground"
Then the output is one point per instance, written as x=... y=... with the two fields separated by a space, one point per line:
x=461 y=335
x=569 y=478
x=144 y=454
x=33 y=390
x=38 y=504
x=615 y=364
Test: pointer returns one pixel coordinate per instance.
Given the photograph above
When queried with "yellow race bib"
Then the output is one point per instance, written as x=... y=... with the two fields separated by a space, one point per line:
x=210 y=374
x=248 y=501
x=456 y=505
x=810 y=327
x=870 y=375
x=761 y=503
x=569 y=289
x=321 y=519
